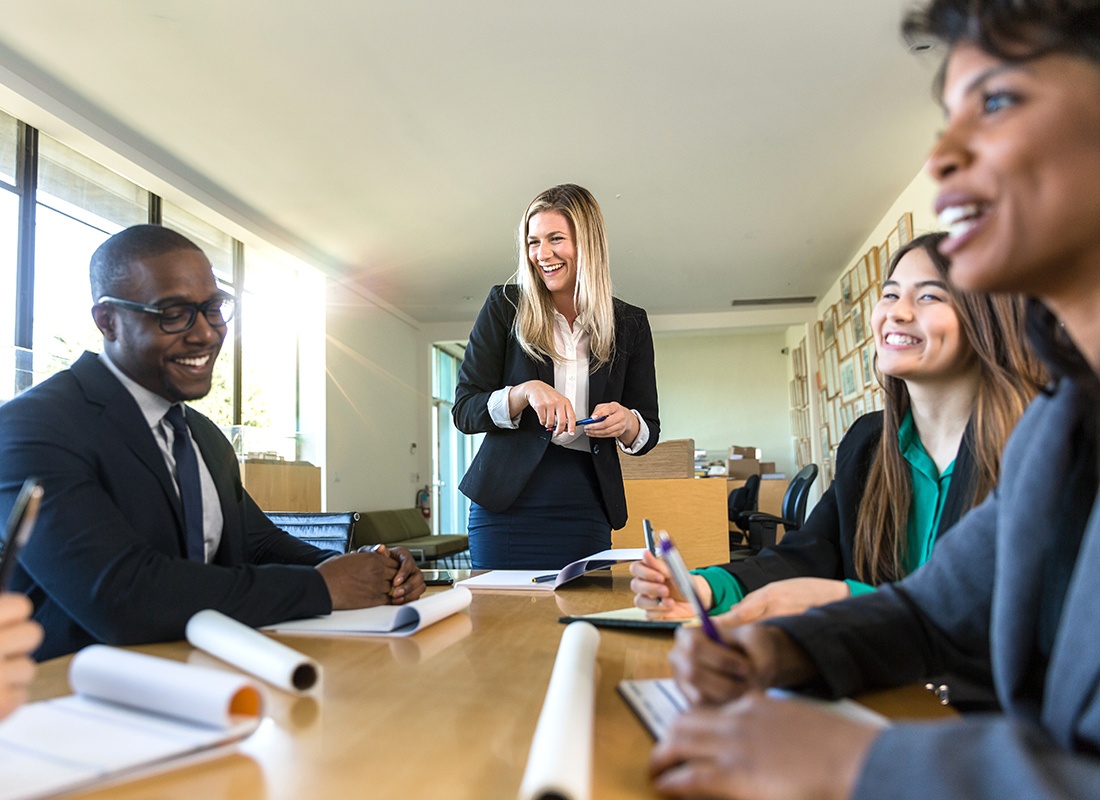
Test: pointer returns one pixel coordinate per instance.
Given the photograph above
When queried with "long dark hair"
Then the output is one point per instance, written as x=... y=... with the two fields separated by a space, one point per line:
x=1009 y=375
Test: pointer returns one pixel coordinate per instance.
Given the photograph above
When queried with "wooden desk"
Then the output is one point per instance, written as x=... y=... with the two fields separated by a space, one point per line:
x=449 y=712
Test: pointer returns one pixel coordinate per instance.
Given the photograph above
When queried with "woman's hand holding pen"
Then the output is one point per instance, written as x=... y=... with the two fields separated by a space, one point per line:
x=755 y=748
x=19 y=637
x=615 y=421
x=753 y=657
x=553 y=409
x=655 y=591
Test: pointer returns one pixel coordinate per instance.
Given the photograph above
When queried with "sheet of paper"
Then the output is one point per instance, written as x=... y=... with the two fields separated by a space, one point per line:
x=659 y=701
x=251 y=651
x=559 y=764
x=382 y=620
x=81 y=740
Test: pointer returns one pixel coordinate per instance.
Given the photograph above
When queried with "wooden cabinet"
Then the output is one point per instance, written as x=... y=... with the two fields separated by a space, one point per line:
x=279 y=486
x=692 y=510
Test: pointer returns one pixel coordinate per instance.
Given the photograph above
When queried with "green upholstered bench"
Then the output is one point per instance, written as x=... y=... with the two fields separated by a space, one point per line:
x=406 y=527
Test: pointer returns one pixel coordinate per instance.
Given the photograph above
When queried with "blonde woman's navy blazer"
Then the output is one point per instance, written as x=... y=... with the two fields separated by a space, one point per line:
x=508 y=458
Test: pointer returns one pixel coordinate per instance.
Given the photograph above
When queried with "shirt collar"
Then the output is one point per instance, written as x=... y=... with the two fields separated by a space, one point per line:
x=913 y=450
x=153 y=406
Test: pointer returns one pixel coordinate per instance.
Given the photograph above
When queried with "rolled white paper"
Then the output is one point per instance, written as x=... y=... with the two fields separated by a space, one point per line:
x=252 y=651
x=560 y=761
x=199 y=694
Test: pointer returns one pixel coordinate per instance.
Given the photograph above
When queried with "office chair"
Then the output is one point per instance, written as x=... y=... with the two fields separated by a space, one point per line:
x=327 y=530
x=762 y=527
x=742 y=502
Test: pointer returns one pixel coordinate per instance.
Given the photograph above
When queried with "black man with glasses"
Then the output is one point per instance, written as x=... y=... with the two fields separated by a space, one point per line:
x=144 y=520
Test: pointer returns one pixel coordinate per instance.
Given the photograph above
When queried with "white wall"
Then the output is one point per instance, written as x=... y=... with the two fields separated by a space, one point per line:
x=722 y=388
x=374 y=402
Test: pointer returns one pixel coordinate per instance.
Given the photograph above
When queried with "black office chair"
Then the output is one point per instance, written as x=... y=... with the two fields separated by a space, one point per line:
x=762 y=527
x=328 y=530
x=742 y=502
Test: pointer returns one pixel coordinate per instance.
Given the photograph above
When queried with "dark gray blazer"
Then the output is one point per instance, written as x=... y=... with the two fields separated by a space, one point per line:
x=508 y=458
x=981 y=594
x=107 y=559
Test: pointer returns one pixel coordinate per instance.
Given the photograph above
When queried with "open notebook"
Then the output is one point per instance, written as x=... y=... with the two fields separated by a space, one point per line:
x=546 y=580
x=130 y=714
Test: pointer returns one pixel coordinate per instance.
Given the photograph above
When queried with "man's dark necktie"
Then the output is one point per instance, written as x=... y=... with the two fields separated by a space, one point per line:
x=187 y=471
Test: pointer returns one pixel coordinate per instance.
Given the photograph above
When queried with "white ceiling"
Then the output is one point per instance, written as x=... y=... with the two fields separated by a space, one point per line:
x=739 y=149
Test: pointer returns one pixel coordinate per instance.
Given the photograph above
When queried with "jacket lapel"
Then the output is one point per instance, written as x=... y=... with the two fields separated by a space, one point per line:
x=1027 y=504
x=121 y=411
x=1073 y=672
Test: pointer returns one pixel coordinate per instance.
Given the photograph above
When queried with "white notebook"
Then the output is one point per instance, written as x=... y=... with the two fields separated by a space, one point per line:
x=402 y=620
x=131 y=714
x=659 y=701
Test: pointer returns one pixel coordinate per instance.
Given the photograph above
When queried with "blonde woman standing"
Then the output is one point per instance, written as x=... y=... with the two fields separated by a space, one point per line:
x=549 y=351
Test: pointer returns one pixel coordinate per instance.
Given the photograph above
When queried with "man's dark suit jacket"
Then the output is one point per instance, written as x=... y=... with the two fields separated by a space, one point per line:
x=507 y=458
x=107 y=559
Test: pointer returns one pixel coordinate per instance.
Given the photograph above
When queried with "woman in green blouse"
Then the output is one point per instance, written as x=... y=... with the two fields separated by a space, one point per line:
x=957 y=376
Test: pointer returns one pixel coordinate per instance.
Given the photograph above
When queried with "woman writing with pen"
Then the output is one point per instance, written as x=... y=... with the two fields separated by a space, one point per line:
x=957 y=376
x=546 y=353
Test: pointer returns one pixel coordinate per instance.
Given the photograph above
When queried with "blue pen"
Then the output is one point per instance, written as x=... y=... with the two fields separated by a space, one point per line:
x=682 y=578
x=590 y=420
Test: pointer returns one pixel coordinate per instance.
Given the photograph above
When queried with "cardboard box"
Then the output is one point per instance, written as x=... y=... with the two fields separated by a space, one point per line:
x=740 y=468
x=672 y=458
x=767 y=467
x=744 y=452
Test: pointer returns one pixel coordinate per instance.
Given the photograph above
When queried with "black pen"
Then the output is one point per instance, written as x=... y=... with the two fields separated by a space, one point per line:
x=545 y=578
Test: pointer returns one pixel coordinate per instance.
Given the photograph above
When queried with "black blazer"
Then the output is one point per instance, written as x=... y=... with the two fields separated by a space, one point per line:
x=822 y=547
x=107 y=559
x=507 y=458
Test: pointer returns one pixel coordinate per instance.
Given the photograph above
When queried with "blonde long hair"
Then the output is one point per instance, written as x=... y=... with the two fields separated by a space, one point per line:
x=1009 y=375
x=534 y=326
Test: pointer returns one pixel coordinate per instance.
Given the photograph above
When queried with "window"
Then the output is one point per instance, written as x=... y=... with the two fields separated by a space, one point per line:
x=79 y=205
x=454 y=451
x=73 y=204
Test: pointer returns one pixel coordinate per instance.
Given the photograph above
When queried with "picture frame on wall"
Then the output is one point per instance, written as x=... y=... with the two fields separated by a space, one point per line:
x=883 y=260
x=867 y=356
x=872 y=266
x=869 y=302
x=865 y=270
x=834 y=421
x=846 y=297
x=858 y=331
x=828 y=327
x=859 y=407
x=905 y=228
x=832 y=371
x=825 y=441
x=846 y=418
x=879 y=400
x=851 y=384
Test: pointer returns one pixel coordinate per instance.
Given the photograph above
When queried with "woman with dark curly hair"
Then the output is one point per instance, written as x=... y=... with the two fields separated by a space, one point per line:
x=1017 y=582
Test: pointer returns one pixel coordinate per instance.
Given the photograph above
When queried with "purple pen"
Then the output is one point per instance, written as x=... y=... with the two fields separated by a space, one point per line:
x=682 y=578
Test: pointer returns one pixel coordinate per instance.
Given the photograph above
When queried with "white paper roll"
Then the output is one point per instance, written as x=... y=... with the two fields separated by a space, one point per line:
x=560 y=761
x=252 y=651
x=209 y=696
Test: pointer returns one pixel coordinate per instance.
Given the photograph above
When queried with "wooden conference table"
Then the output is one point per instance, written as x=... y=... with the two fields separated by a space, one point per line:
x=449 y=712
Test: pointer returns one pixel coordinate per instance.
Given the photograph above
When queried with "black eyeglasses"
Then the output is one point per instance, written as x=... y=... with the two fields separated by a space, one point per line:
x=180 y=317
